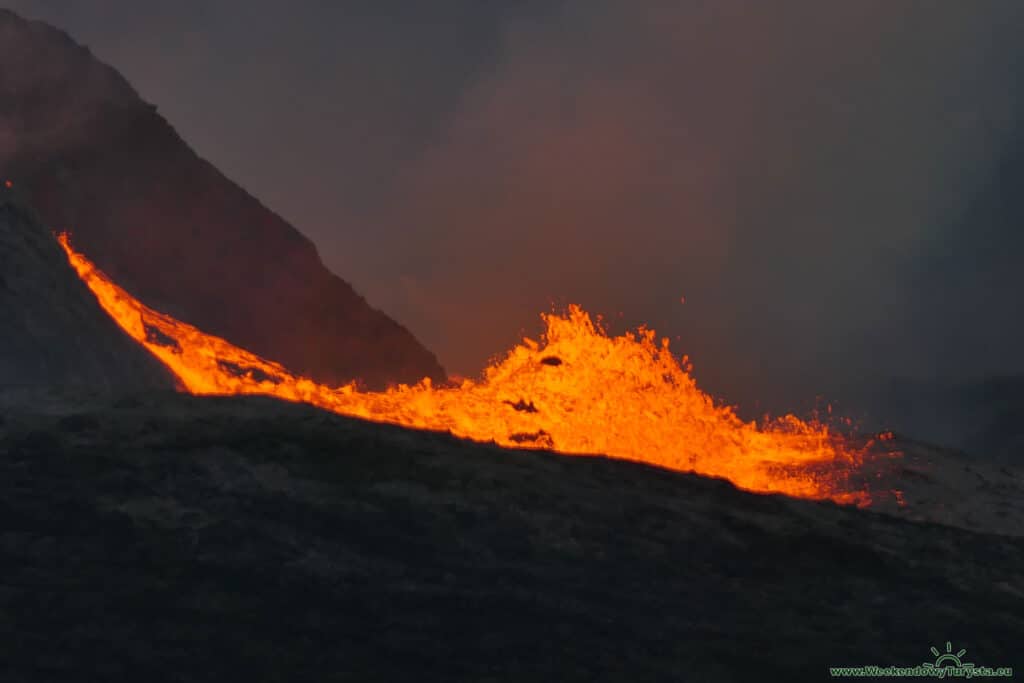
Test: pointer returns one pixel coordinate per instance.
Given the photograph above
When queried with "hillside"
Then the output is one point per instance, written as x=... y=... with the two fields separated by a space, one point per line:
x=178 y=538
x=54 y=333
x=94 y=158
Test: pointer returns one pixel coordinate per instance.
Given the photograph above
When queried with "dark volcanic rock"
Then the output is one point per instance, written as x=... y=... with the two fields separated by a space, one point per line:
x=53 y=333
x=186 y=539
x=165 y=224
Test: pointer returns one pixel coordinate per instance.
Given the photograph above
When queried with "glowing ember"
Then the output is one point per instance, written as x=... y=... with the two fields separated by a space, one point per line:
x=578 y=391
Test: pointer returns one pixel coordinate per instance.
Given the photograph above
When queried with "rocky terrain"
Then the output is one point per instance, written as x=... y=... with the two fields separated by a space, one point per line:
x=94 y=158
x=54 y=333
x=168 y=537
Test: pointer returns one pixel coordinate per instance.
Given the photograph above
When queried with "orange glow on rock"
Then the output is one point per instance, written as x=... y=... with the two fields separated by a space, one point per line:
x=576 y=391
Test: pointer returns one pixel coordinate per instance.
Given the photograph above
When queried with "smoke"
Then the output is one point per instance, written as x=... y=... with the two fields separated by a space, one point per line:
x=788 y=168
x=780 y=169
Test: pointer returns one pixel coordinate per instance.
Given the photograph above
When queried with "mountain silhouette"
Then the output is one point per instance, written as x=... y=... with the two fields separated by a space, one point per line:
x=93 y=158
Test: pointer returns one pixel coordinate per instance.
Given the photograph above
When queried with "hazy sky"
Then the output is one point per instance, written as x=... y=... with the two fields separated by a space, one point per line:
x=788 y=167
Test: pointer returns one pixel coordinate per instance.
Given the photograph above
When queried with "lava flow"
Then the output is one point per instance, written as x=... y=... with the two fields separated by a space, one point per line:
x=578 y=391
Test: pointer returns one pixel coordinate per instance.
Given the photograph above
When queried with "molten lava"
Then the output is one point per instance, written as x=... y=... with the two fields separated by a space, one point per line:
x=578 y=391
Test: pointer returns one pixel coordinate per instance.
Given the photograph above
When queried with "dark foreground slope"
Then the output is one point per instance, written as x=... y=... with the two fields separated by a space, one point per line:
x=169 y=227
x=176 y=538
x=53 y=332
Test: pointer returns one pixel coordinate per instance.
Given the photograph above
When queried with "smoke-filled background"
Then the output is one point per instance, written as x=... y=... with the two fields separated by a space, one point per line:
x=832 y=187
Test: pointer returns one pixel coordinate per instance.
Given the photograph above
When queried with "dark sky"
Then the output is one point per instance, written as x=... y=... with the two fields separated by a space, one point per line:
x=796 y=170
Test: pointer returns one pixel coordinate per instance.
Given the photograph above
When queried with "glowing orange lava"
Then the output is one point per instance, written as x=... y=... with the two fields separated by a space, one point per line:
x=577 y=391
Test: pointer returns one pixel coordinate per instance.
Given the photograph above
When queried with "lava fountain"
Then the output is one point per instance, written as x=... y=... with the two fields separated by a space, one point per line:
x=576 y=391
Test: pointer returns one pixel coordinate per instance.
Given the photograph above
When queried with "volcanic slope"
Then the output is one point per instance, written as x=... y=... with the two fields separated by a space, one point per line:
x=53 y=333
x=95 y=159
x=237 y=538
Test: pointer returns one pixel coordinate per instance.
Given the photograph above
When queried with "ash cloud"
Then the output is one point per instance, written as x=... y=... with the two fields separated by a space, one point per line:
x=796 y=170
x=788 y=172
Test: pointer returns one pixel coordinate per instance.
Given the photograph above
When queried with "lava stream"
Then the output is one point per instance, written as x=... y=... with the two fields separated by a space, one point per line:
x=577 y=391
